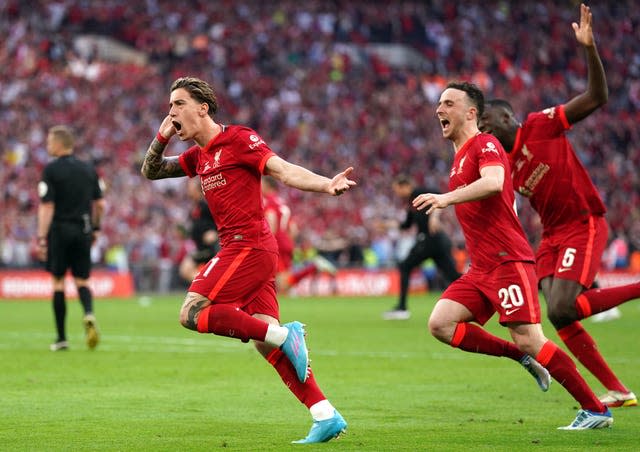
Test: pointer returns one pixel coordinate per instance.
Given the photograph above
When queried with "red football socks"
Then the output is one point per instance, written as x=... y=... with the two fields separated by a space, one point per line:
x=472 y=338
x=593 y=301
x=308 y=392
x=564 y=371
x=229 y=321
x=584 y=348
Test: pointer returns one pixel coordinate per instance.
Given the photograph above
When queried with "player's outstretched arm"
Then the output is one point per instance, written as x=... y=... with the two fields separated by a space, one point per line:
x=597 y=92
x=341 y=182
x=301 y=178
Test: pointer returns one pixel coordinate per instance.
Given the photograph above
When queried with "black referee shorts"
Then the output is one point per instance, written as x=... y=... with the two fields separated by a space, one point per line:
x=69 y=248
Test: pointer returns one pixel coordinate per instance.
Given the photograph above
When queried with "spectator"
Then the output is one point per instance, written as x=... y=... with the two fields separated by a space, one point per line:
x=302 y=75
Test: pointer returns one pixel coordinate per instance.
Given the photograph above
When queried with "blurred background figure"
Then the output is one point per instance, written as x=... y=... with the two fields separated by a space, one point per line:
x=278 y=215
x=69 y=218
x=203 y=233
x=431 y=242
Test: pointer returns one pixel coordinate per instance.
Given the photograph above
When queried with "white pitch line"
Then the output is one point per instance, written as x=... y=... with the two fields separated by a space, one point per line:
x=149 y=344
x=143 y=343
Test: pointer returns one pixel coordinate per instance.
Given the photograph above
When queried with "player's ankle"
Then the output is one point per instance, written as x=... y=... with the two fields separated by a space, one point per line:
x=276 y=335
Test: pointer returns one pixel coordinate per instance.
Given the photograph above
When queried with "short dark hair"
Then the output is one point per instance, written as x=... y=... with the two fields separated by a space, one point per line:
x=500 y=103
x=473 y=92
x=403 y=179
x=199 y=90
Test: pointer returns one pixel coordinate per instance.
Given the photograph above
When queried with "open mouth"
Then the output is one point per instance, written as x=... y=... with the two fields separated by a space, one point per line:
x=444 y=123
x=176 y=125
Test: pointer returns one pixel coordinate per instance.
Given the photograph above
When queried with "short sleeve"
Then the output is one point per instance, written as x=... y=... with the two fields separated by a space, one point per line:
x=97 y=187
x=189 y=160
x=254 y=151
x=46 y=190
x=547 y=123
x=490 y=151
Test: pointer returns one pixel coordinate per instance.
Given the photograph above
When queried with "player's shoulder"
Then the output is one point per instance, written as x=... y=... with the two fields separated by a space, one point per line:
x=51 y=165
x=63 y=164
x=245 y=135
x=240 y=131
x=537 y=117
x=88 y=164
x=485 y=142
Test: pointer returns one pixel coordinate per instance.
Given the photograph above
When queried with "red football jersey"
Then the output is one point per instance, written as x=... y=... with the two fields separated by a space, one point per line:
x=230 y=167
x=547 y=170
x=492 y=230
x=276 y=205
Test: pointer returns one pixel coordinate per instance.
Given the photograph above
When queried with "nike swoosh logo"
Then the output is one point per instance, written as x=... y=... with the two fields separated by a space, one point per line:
x=562 y=270
x=511 y=311
x=198 y=279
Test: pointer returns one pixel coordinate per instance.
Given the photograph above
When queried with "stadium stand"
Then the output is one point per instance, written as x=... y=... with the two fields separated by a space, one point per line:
x=324 y=83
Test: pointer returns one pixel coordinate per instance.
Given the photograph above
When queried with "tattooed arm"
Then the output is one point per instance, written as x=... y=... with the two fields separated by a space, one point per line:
x=157 y=166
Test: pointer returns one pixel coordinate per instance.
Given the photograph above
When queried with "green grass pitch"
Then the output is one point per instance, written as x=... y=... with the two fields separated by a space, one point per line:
x=153 y=385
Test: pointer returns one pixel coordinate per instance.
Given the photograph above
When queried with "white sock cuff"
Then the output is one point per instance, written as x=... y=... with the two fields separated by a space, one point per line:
x=276 y=335
x=322 y=410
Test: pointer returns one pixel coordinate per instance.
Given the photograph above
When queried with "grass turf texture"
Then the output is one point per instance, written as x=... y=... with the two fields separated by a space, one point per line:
x=153 y=385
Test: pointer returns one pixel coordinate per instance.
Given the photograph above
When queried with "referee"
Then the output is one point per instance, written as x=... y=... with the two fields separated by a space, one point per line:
x=69 y=215
x=431 y=243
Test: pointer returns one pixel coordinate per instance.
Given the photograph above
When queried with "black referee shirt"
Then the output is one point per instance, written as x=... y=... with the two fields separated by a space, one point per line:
x=415 y=216
x=71 y=184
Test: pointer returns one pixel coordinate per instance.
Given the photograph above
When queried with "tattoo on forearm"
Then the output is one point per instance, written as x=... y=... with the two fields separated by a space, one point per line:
x=153 y=159
x=157 y=166
x=194 y=309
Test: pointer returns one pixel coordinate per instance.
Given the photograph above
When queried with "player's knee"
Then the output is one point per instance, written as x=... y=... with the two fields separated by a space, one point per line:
x=526 y=344
x=560 y=315
x=191 y=309
x=440 y=330
x=184 y=320
x=188 y=318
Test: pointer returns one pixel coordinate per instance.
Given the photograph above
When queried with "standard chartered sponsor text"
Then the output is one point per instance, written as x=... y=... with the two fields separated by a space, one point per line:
x=213 y=181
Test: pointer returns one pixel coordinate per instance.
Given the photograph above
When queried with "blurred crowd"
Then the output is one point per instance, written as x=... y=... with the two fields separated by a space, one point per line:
x=304 y=75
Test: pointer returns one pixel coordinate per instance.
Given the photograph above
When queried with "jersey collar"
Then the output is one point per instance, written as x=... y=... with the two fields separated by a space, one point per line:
x=209 y=146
